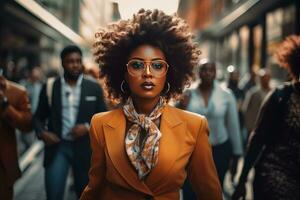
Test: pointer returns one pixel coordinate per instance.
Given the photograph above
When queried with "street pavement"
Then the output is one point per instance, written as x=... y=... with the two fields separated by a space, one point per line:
x=31 y=185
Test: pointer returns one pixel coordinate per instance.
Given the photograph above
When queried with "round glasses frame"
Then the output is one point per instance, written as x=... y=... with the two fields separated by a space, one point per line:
x=147 y=64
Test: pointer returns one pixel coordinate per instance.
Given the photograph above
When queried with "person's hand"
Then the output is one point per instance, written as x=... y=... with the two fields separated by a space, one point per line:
x=79 y=130
x=240 y=192
x=49 y=138
x=233 y=166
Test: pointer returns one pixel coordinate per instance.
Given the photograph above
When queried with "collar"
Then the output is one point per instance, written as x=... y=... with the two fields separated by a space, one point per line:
x=169 y=115
x=78 y=82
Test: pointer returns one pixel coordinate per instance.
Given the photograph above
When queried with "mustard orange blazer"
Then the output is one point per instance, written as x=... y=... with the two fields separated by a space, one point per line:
x=183 y=149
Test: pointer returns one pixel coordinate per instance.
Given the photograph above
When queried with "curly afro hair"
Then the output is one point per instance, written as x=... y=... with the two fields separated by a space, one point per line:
x=288 y=55
x=168 y=32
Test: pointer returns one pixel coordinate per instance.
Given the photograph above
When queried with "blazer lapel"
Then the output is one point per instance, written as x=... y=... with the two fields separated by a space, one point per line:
x=83 y=93
x=114 y=132
x=57 y=104
x=169 y=146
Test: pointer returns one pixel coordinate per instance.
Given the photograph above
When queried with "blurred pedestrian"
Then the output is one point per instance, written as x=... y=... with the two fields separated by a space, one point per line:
x=218 y=105
x=274 y=148
x=65 y=108
x=14 y=114
x=145 y=149
x=254 y=99
x=33 y=86
x=248 y=81
x=233 y=85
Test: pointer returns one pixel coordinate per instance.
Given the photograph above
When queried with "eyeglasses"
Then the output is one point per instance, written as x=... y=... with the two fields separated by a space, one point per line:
x=158 y=68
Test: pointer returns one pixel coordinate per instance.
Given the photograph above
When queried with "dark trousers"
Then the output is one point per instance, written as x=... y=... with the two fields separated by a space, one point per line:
x=6 y=190
x=221 y=155
x=57 y=171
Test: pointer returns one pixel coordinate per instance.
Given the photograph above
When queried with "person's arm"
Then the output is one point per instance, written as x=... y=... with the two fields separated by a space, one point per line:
x=39 y=120
x=257 y=141
x=246 y=109
x=98 y=166
x=233 y=127
x=233 y=130
x=18 y=116
x=201 y=168
x=42 y=112
x=80 y=130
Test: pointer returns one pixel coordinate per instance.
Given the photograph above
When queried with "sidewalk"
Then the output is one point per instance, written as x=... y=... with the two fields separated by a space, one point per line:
x=31 y=185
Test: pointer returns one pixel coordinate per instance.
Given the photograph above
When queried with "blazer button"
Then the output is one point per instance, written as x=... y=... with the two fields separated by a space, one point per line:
x=148 y=197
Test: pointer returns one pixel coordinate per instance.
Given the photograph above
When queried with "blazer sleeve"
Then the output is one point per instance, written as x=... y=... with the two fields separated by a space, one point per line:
x=201 y=169
x=19 y=115
x=98 y=166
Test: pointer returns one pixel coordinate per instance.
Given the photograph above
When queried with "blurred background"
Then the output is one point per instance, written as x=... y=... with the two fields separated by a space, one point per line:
x=238 y=34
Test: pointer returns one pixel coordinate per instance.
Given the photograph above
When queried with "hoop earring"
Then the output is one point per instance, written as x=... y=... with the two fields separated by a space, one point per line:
x=168 y=88
x=122 y=85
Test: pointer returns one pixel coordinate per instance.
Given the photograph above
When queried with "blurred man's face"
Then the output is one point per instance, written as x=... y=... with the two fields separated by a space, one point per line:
x=207 y=73
x=235 y=76
x=265 y=80
x=72 y=64
x=35 y=75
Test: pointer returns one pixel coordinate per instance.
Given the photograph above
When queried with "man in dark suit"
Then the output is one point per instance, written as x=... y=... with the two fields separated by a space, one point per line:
x=14 y=113
x=62 y=121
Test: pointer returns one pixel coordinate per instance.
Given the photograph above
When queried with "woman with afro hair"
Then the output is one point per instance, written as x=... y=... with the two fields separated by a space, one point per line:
x=274 y=146
x=145 y=148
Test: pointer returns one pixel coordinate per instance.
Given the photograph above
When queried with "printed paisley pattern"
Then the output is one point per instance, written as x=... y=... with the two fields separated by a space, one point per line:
x=146 y=157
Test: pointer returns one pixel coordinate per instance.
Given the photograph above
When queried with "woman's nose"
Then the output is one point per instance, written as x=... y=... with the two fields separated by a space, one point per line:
x=147 y=71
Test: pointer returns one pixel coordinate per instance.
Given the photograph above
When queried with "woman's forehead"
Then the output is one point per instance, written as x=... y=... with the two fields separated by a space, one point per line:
x=147 y=51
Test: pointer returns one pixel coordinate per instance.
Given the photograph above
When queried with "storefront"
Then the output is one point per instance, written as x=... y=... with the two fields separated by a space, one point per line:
x=248 y=38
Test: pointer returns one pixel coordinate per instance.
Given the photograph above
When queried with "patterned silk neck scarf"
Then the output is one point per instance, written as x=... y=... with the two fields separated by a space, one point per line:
x=143 y=156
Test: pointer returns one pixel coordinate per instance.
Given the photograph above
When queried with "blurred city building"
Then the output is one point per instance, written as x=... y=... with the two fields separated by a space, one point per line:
x=243 y=33
x=32 y=33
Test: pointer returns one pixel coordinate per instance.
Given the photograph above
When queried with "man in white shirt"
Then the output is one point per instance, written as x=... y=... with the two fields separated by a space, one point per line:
x=62 y=122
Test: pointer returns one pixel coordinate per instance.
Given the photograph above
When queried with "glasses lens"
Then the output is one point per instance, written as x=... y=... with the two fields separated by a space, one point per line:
x=157 y=67
x=135 y=67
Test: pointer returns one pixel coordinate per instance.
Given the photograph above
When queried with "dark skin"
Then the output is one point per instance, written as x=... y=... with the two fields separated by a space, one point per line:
x=145 y=99
x=73 y=68
x=207 y=74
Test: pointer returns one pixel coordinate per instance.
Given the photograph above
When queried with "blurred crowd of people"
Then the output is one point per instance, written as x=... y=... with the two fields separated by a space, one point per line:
x=255 y=120
x=56 y=110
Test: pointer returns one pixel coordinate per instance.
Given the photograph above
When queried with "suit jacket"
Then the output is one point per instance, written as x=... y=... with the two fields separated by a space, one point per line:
x=91 y=102
x=183 y=149
x=16 y=115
